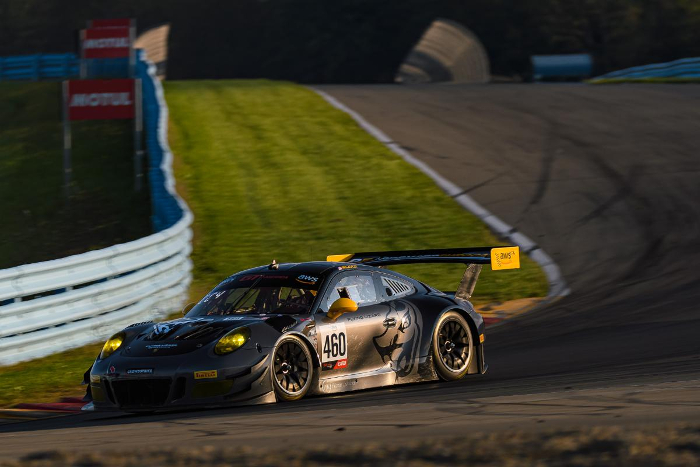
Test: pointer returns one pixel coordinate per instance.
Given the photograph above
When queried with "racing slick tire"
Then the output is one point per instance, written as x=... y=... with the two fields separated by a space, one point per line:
x=292 y=369
x=452 y=347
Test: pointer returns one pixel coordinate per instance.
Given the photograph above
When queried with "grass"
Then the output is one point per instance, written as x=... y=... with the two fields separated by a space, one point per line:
x=272 y=171
x=38 y=225
x=645 y=81
x=47 y=379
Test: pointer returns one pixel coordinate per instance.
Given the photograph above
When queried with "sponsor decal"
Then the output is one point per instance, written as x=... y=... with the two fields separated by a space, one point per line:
x=334 y=343
x=304 y=279
x=98 y=99
x=252 y=277
x=162 y=328
x=359 y=317
x=505 y=258
x=481 y=338
x=94 y=379
x=338 y=364
x=106 y=42
x=213 y=295
x=161 y=346
x=234 y=318
x=249 y=277
x=348 y=266
x=210 y=374
x=140 y=371
x=342 y=384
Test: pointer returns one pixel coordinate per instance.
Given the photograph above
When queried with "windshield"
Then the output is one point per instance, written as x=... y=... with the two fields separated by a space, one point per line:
x=255 y=294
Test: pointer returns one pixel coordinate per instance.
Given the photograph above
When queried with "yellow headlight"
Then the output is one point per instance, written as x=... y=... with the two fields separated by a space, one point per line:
x=112 y=345
x=232 y=341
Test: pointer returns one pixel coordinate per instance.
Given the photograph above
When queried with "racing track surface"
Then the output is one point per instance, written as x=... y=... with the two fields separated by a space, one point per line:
x=607 y=181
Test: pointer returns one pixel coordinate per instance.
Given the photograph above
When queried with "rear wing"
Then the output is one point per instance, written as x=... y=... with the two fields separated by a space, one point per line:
x=507 y=257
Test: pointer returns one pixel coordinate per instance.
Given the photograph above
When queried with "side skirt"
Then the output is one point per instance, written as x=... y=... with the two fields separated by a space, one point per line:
x=381 y=377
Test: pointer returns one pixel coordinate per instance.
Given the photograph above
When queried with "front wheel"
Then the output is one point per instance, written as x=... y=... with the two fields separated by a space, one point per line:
x=292 y=369
x=453 y=346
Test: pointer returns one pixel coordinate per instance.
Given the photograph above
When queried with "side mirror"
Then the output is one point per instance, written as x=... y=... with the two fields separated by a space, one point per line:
x=340 y=306
x=187 y=308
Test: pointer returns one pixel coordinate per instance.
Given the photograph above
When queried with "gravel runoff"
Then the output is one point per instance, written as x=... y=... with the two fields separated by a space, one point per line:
x=669 y=445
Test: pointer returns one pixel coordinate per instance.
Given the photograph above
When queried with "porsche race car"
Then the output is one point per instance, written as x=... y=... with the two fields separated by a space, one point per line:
x=283 y=331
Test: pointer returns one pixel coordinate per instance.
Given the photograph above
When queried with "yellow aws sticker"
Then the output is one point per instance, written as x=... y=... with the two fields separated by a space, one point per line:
x=505 y=258
x=205 y=374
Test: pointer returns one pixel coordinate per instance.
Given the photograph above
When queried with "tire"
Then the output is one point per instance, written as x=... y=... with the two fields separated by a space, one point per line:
x=452 y=347
x=292 y=369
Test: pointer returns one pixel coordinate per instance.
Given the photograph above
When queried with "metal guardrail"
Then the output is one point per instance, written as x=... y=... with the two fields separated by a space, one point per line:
x=40 y=66
x=683 y=68
x=57 y=305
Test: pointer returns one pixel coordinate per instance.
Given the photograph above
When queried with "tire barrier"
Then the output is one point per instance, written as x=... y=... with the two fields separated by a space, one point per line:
x=154 y=43
x=447 y=52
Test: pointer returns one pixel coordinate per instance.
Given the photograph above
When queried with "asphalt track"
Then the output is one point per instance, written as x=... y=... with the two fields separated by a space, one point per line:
x=607 y=181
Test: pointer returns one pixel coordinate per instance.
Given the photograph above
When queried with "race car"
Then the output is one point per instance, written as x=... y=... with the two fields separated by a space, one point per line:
x=283 y=331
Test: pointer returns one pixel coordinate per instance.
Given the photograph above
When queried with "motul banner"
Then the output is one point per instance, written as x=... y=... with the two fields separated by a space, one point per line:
x=111 y=42
x=100 y=99
x=110 y=23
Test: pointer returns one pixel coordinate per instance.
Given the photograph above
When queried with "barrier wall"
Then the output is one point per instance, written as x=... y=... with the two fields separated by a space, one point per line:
x=683 y=68
x=56 y=305
x=40 y=66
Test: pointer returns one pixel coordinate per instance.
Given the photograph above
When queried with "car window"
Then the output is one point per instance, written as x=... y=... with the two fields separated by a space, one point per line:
x=359 y=288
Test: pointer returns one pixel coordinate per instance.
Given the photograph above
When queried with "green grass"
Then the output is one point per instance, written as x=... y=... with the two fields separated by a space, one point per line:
x=37 y=223
x=645 y=81
x=47 y=379
x=272 y=171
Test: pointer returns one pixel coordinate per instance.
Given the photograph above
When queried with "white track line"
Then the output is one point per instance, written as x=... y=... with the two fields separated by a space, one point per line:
x=557 y=284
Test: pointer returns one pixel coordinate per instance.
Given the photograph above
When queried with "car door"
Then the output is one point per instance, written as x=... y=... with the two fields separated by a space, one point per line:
x=345 y=344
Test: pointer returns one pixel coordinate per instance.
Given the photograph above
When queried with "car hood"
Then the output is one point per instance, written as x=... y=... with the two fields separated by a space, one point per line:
x=185 y=335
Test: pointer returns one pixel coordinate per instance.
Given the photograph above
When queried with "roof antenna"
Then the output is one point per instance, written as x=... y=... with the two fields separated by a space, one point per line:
x=273 y=265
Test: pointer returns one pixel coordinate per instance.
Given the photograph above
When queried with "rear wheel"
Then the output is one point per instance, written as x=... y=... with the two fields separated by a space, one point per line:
x=292 y=369
x=453 y=346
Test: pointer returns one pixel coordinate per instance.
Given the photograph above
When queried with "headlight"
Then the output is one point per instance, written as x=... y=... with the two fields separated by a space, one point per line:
x=232 y=341
x=112 y=345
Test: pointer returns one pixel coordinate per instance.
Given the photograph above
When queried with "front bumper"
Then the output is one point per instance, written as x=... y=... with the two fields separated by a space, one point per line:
x=148 y=384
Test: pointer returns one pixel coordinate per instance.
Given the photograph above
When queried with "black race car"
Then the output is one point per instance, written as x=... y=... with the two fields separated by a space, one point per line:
x=282 y=331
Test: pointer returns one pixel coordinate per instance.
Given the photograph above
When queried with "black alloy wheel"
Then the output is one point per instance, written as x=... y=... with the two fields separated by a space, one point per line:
x=292 y=369
x=453 y=346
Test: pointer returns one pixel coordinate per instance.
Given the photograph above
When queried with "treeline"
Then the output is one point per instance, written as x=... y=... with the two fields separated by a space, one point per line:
x=346 y=41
